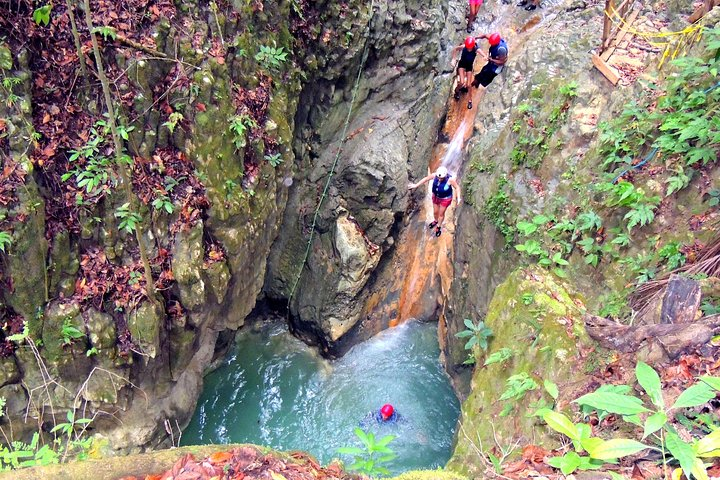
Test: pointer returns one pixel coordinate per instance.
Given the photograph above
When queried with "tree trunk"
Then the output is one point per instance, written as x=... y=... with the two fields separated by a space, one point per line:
x=125 y=174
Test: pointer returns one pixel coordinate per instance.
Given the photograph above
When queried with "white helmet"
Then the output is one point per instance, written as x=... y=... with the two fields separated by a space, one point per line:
x=441 y=172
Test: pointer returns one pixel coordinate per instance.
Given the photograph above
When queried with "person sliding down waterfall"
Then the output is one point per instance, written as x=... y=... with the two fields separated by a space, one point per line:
x=465 y=66
x=442 y=189
x=472 y=13
x=497 y=57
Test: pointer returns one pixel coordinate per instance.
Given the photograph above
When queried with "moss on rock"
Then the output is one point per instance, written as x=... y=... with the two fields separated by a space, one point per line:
x=429 y=475
x=144 y=323
x=536 y=317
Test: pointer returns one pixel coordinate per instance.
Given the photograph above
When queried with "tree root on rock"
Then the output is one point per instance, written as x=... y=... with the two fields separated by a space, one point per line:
x=674 y=339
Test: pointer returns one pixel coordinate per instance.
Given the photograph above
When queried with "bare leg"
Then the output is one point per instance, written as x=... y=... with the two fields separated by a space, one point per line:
x=436 y=212
x=440 y=215
x=471 y=16
x=461 y=81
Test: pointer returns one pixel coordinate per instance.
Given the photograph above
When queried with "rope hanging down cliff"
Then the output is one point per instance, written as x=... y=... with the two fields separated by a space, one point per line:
x=343 y=139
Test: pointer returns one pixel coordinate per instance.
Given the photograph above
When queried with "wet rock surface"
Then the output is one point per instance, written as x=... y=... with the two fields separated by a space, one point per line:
x=146 y=362
x=397 y=113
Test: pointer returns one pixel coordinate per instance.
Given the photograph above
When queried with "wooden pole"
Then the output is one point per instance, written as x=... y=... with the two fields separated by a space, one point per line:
x=607 y=22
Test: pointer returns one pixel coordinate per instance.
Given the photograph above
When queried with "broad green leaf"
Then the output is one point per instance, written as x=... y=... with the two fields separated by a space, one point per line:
x=587 y=463
x=469 y=324
x=584 y=431
x=496 y=463
x=359 y=465
x=387 y=458
x=527 y=228
x=698 y=394
x=360 y=433
x=616 y=448
x=385 y=440
x=499 y=356
x=540 y=219
x=613 y=403
x=714 y=382
x=709 y=445
x=567 y=464
x=381 y=449
x=681 y=451
x=551 y=388
x=57 y=427
x=634 y=419
x=560 y=423
x=654 y=423
x=650 y=381
x=699 y=471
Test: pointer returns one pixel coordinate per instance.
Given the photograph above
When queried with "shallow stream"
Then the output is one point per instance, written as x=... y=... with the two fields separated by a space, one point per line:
x=274 y=390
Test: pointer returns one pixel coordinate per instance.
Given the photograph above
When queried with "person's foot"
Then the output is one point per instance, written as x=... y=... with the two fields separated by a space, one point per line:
x=469 y=29
x=506 y=2
x=522 y=3
x=464 y=89
x=470 y=105
x=438 y=231
x=432 y=224
x=457 y=95
x=530 y=7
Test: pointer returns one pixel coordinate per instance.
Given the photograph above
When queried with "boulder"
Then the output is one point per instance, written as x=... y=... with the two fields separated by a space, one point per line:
x=57 y=315
x=144 y=323
x=545 y=336
x=187 y=266
x=101 y=329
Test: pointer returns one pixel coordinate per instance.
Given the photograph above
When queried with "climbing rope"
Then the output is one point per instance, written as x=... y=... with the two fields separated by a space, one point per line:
x=343 y=139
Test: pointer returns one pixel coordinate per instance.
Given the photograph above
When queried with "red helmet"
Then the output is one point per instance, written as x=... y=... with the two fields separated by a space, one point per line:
x=387 y=410
x=494 y=39
x=470 y=43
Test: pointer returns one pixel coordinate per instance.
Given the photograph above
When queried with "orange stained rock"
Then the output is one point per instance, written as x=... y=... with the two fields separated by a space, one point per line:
x=423 y=269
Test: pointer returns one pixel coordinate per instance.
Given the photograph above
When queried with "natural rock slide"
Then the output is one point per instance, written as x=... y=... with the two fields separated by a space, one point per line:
x=422 y=269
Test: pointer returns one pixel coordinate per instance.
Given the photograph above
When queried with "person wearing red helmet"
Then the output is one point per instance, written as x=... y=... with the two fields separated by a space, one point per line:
x=497 y=57
x=386 y=412
x=468 y=50
x=472 y=13
x=385 y=415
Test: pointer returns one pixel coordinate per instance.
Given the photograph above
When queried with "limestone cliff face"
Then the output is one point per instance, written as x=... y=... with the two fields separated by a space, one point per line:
x=146 y=362
x=398 y=108
x=537 y=152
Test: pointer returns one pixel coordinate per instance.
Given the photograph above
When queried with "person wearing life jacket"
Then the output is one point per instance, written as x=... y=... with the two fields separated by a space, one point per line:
x=472 y=13
x=385 y=415
x=497 y=57
x=468 y=53
x=443 y=187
